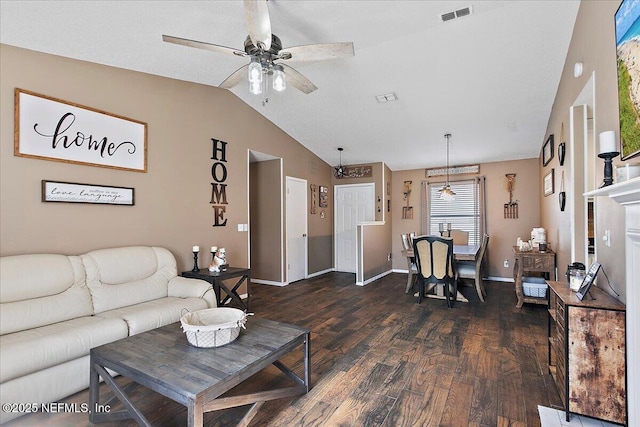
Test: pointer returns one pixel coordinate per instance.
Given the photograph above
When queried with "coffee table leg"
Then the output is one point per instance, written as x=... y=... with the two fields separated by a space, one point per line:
x=195 y=412
x=94 y=391
x=307 y=361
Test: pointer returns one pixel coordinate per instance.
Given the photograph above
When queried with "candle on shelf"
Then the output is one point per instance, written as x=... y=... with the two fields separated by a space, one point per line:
x=441 y=227
x=196 y=249
x=448 y=226
x=608 y=142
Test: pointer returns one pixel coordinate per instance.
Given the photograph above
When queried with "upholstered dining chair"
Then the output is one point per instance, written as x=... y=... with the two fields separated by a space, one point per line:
x=473 y=270
x=434 y=259
x=459 y=237
x=412 y=269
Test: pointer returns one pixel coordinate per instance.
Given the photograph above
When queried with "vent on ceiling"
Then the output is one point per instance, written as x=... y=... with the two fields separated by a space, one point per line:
x=456 y=14
x=387 y=97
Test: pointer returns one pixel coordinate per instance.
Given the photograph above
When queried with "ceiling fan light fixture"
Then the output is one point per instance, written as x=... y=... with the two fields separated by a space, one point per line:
x=279 y=78
x=255 y=88
x=255 y=71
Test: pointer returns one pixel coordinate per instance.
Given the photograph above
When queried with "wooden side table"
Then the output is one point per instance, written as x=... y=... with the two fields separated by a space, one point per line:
x=532 y=261
x=216 y=278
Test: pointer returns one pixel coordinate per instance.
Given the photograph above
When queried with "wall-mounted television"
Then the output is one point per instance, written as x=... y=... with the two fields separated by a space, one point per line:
x=628 y=58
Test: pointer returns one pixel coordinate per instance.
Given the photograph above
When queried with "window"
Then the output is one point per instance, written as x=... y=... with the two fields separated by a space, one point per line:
x=465 y=213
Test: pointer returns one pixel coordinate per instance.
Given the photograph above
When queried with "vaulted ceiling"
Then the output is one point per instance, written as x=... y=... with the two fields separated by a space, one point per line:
x=489 y=78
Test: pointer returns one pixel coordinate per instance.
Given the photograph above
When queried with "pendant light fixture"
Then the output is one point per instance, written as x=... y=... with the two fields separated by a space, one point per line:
x=340 y=170
x=446 y=193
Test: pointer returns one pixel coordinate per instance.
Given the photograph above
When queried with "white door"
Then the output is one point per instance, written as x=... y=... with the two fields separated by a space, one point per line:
x=296 y=229
x=353 y=204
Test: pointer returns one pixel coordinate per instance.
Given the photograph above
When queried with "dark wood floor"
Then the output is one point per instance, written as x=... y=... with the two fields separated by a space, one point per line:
x=378 y=358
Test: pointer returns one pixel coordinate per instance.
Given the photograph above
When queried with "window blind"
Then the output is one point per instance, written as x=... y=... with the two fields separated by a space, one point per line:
x=464 y=213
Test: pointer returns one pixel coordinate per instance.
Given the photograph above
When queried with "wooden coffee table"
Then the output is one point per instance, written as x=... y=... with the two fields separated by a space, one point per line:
x=163 y=360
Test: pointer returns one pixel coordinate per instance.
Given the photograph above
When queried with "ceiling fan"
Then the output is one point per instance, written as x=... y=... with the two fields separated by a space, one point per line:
x=265 y=48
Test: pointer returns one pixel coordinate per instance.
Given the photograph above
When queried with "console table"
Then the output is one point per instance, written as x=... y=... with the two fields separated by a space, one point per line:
x=216 y=278
x=532 y=261
x=587 y=352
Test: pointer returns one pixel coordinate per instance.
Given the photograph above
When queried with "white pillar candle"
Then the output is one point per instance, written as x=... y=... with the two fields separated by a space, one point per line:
x=214 y=248
x=608 y=142
x=196 y=249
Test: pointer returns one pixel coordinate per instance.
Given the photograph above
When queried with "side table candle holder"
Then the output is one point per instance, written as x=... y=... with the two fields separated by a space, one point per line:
x=195 y=261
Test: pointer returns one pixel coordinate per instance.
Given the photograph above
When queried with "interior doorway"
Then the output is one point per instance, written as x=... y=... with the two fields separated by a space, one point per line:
x=353 y=203
x=266 y=233
x=296 y=229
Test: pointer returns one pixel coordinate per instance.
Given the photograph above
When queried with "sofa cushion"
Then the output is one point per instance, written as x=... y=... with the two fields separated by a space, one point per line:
x=120 y=277
x=29 y=351
x=40 y=289
x=154 y=314
x=49 y=385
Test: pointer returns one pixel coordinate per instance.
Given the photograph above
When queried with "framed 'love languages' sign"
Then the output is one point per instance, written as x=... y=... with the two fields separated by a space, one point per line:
x=52 y=129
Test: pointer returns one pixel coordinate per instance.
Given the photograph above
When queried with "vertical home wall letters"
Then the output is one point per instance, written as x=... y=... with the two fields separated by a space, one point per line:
x=218 y=187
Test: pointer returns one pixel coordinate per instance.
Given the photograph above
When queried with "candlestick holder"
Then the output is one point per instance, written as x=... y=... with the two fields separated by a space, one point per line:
x=195 y=268
x=608 y=167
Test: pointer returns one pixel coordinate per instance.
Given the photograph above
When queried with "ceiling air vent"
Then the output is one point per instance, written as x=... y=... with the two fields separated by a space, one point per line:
x=387 y=97
x=456 y=14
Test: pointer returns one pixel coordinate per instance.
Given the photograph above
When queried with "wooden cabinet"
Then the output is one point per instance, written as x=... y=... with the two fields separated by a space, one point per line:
x=587 y=352
x=532 y=261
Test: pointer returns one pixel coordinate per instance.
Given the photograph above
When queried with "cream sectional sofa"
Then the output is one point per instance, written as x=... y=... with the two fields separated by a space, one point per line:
x=55 y=308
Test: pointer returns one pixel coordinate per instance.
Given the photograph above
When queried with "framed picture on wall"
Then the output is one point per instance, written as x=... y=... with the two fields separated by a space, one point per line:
x=627 y=19
x=548 y=183
x=547 y=151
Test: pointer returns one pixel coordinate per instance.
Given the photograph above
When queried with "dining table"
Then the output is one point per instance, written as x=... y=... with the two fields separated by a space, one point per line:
x=460 y=253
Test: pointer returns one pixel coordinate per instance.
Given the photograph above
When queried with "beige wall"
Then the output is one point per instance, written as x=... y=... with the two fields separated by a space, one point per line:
x=503 y=232
x=593 y=44
x=375 y=254
x=172 y=199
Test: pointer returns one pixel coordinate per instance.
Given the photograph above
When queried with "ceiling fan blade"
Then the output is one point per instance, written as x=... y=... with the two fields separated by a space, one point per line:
x=297 y=80
x=256 y=14
x=235 y=78
x=319 y=52
x=203 y=45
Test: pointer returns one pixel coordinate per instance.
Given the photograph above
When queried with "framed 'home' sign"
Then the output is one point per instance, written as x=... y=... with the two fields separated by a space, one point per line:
x=51 y=129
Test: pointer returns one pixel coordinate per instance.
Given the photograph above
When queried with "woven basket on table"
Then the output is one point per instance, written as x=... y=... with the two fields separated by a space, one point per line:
x=213 y=327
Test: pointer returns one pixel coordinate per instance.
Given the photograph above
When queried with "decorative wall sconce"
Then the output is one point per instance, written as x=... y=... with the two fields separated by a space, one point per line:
x=608 y=151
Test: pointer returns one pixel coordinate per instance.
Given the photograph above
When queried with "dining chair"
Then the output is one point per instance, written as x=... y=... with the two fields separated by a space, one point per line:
x=459 y=237
x=412 y=269
x=434 y=259
x=473 y=269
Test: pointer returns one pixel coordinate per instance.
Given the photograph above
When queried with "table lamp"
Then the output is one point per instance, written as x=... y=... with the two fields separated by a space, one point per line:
x=608 y=151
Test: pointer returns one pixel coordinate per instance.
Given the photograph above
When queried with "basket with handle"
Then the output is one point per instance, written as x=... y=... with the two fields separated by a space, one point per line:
x=213 y=327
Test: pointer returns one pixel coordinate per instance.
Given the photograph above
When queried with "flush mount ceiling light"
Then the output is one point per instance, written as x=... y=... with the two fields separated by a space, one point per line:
x=340 y=171
x=446 y=193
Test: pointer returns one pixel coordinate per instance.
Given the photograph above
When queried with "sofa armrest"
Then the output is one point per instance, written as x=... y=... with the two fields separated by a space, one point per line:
x=183 y=287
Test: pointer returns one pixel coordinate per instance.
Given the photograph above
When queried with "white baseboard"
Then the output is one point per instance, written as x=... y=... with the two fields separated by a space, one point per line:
x=320 y=273
x=268 y=282
x=366 y=282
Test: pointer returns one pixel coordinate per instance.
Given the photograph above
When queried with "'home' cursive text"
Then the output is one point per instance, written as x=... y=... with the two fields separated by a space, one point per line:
x=102 y=145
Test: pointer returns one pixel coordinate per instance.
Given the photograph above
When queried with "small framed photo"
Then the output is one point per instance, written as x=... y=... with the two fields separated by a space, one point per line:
x=547 y=151
x=548 y=183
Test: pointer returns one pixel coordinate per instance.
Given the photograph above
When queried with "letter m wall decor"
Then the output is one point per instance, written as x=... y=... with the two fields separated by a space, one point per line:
x=51 y=129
